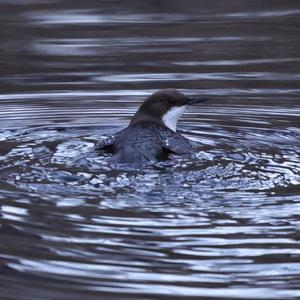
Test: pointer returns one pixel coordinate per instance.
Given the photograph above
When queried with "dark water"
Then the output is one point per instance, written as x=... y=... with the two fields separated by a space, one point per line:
x=225 y=225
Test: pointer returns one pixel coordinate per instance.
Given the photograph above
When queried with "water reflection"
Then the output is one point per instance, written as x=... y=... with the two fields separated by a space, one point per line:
x=221 y=225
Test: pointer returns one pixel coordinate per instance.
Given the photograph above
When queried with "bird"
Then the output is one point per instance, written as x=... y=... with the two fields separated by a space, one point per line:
x=151 y=134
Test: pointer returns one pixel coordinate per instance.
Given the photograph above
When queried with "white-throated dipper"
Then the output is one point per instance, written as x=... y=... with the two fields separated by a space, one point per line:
x=151 y=134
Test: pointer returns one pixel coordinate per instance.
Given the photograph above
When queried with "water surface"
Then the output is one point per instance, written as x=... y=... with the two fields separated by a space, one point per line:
x=224 y=225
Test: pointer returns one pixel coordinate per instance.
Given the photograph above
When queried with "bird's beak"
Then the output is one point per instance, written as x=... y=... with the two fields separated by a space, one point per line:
x=192 y=101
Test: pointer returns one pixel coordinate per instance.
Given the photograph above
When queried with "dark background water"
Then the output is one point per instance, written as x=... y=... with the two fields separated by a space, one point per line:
x=223 y=225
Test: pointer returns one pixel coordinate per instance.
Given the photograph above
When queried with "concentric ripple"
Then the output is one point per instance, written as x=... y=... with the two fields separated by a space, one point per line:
x=221 y=225
x=179 y=227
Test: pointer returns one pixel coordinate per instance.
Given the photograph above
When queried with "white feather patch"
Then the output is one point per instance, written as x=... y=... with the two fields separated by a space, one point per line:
x=171 y=117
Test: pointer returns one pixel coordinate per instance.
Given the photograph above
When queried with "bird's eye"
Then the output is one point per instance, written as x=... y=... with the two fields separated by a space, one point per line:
x=169 y=99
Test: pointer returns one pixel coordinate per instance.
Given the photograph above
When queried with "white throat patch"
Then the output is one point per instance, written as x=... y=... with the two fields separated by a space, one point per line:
x=171 y=117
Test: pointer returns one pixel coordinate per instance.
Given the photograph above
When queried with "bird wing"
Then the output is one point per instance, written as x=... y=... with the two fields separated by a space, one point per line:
x=177 y=144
